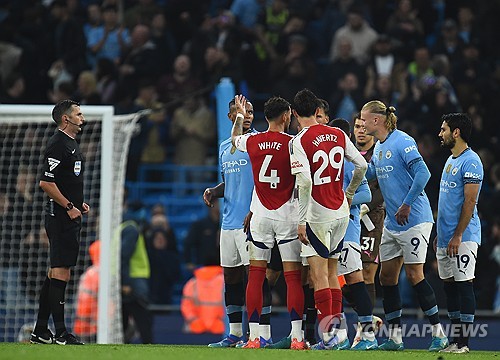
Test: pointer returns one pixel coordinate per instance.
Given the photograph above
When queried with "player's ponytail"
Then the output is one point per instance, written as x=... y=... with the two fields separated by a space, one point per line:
x=378 y=107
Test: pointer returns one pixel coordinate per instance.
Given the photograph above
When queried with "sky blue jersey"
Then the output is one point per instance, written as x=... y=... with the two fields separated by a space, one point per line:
x=362 y=195
x=466 y=168
x=393 y=162
x=236 y=171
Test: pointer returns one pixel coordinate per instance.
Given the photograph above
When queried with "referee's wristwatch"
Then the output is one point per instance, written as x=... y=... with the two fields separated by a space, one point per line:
x=69 y=206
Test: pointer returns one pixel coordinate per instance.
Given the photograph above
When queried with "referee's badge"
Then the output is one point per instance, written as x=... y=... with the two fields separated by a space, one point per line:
x=77 y=168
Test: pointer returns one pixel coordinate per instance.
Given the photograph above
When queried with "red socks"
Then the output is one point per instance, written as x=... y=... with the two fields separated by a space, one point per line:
x=295 y=294
x=336 y=301
x=323 y=300
x=256 y=277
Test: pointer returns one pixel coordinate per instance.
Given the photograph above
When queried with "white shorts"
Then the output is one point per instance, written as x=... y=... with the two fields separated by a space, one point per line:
x=233 y=248
x=411 y=244
x=325 y=238
x=350 y=258
x=266 y=232
x=461 y=267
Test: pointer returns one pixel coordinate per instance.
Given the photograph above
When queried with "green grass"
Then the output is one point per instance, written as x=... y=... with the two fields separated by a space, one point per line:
x=17 y=351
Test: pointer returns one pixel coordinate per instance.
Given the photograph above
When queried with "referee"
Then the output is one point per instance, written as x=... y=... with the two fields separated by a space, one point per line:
x=62 y=181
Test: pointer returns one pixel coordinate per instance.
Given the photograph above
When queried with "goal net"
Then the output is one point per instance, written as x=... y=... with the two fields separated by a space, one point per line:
x=24 y=132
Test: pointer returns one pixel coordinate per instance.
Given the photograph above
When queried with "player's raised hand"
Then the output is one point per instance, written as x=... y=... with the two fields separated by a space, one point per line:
x=301 y=230
x=403 y=214
x=240 y=102
x=208 y=196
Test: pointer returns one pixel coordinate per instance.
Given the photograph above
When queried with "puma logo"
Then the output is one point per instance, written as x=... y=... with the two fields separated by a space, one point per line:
x=62 y=302
x=73 y=151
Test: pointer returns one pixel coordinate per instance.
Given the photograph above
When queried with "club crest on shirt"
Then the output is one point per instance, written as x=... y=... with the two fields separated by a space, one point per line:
x=448 y=168
x=454 y=171
x=388 y=154
x=77 y=168
x=380 y=155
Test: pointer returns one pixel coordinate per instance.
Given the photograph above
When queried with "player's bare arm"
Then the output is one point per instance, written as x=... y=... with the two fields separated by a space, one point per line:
x=246 y=222
x=54 y=193
x=470 y=196
x=213 y=193
x=240 y=104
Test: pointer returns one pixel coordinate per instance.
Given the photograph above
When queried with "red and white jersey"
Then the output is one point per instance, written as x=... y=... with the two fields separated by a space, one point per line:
x=274 y=183
x=319 y=151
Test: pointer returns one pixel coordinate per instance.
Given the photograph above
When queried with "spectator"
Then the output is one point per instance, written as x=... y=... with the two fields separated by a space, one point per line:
x=86 y=93
x=141 y=60
x=13 y=89
x=165 y=264
x=192 y=130
x=405 y=26
x=344 y=63
x=106 y=74
x=109 y=40
x=449 y=43
x=174 y=87
x=141 y=13
x=67 y=39
x=360 y=33
x=202 y=241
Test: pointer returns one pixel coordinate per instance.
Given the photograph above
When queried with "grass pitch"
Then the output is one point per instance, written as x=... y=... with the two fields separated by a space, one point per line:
x=17 y=351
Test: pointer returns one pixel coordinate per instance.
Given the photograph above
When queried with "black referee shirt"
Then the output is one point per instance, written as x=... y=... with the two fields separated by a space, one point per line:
x=64 y=164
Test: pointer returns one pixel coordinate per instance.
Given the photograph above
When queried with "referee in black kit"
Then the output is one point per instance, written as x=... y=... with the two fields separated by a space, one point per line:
x=62 y=181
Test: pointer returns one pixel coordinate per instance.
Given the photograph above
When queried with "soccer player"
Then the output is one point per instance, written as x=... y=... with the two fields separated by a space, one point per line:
x=349 y=263
x=402 y=174
x=373 y=222
x=275 y=213
x=62 y=181
x=322 y=116
x=372 y=216
x=458 y=226
x=317 y=158
x=236 y=189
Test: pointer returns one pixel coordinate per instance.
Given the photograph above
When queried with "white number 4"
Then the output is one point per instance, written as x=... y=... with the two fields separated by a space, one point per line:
x=273 y=179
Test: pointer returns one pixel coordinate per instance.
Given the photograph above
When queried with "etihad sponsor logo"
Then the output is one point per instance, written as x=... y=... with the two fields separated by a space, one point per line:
x=448 y=184
x=233 y=166
x=383 y=171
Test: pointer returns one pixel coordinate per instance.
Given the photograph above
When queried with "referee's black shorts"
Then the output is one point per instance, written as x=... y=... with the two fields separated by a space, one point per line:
x=64 y=238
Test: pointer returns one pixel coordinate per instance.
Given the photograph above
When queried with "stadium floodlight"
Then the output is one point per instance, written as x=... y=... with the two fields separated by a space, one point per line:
x=24 y=132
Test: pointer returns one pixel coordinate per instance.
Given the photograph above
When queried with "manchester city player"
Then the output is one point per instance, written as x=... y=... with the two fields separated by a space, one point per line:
x=236 y=188
x=402 y=175
x=458 y=226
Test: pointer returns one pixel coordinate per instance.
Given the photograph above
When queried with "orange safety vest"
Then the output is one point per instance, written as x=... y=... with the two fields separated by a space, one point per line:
x=202 y=303
x=86 y=303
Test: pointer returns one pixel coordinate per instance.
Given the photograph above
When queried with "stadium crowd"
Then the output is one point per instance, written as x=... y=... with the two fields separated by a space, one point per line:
x=424 y=57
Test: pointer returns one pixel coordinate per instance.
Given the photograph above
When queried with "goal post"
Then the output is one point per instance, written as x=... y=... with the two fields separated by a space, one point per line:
x=24 y=132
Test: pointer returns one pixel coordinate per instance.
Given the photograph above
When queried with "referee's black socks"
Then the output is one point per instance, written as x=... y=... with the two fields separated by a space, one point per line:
x=56 y=299
x=42 y=319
